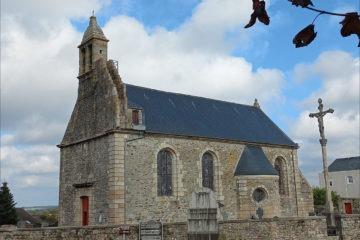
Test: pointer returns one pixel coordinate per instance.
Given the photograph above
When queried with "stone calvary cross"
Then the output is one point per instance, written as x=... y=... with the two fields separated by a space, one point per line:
x=320 y=117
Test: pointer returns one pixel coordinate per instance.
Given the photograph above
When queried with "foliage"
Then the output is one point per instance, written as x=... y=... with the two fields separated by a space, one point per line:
x=7 y=206
x=320 y=197
x=258 y=13
x=350 y=23
x=49 y=215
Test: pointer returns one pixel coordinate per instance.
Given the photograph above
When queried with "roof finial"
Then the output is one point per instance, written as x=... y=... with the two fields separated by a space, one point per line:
x=256 y=103
x=93 y=13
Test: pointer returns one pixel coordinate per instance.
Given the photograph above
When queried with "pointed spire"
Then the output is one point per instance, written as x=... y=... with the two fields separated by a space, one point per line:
x=93 y=31
x=256 y=103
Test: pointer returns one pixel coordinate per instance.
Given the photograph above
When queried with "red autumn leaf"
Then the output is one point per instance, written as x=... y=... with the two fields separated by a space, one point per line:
x=302 y=3
x=258 y=13
x=305 y=36
x=351 y=25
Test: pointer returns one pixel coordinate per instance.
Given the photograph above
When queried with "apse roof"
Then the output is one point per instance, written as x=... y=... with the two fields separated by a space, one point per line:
x=254 y=162
x=179 y=114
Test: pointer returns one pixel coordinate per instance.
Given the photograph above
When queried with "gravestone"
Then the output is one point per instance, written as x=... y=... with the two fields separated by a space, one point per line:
x=202 y=219
x=150 y=230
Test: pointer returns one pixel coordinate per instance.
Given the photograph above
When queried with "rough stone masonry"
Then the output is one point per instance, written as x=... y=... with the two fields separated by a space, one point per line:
x=132 y=154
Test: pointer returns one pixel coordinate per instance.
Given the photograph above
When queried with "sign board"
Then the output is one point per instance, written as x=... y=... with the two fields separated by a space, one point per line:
x=124 y=229
x=151 y=230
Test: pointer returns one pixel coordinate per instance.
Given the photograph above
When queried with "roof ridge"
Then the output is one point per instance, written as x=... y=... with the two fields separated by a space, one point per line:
x=188 y=95
x=346 y=158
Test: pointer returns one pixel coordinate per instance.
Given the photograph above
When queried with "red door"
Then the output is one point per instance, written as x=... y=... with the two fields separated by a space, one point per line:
x=348 y=208
x=85 y=210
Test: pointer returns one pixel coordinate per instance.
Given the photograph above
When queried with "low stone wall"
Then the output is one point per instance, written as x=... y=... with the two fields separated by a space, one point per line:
x=68 y=233
x=313 y=228
x=349 y=226
x=274 y=229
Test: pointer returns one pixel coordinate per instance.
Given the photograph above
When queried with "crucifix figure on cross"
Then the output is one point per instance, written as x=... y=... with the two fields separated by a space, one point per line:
x=320 y=117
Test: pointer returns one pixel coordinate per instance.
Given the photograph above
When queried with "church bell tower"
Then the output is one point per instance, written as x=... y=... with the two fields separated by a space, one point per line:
x=93 y=47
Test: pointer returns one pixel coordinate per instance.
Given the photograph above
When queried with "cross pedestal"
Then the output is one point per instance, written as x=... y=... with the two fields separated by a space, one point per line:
x=329 y=204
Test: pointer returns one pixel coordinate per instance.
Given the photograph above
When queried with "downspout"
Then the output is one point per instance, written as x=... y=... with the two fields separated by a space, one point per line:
x=296 y=193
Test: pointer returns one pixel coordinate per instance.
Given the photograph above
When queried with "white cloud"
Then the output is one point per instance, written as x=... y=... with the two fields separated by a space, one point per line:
x=193 y=59
x=34 y=159
x=340 y=90
x=38 y=85
x=39 y=62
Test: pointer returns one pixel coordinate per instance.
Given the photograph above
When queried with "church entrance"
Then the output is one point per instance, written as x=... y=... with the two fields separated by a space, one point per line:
x=85 y=210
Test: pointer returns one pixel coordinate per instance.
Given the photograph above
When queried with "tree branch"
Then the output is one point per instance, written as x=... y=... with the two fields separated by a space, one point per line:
x=326 y=12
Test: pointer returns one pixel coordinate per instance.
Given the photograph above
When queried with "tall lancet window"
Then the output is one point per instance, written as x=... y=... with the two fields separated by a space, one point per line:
x=207 y=170
x=164 y=173
x=90 y=56
x=279 y=167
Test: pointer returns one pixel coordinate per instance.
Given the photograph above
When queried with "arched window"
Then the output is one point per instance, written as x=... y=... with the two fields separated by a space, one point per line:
x=279 y=167
x=164 y=173
x=207 y=170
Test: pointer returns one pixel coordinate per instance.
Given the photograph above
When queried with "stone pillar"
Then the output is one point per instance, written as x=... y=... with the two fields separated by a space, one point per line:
x=329 y=203
x=116 y=179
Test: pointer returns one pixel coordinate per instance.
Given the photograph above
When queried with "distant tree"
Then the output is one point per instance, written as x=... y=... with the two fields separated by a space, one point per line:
x=51 y=216
x=7 y=206
x=320 y=197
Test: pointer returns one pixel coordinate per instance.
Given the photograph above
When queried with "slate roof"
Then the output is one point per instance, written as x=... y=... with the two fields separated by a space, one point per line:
x=179 y=114
x=254 y=162
x=345 y=164
x=23 y=215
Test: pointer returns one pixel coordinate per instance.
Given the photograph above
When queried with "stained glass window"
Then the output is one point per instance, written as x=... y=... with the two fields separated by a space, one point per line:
x=164 y=173
x=208 y=171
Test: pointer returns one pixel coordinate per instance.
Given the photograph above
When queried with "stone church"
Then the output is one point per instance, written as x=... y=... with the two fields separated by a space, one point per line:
x=132 y=153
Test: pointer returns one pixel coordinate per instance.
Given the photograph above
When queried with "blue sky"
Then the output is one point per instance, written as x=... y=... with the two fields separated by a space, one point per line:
x=197 y=47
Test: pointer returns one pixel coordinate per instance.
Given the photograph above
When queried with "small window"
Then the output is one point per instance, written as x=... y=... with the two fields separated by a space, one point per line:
x=350 y=179
x=83 y=60
x=259 y=195
x=90 y=56
x=135 y=117
x=331 y=183
x=100 y=51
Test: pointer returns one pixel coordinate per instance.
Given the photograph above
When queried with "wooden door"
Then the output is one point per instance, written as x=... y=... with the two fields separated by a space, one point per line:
x=85 y=210
x=348 y=208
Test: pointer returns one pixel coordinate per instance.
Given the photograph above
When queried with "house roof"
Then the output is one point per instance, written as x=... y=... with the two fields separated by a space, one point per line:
x=345 y=164
x=254 y=162
x=179 y=114
x=23 y=215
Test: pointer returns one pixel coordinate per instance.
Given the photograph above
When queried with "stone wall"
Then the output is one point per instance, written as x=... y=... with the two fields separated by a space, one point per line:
x=313 y=228
x=99 y=163
x=84 y=163
x=98 y=105
x=69 y=233
x=142 y=202
x=349 y=226
x=247 y=206
x=355 y=204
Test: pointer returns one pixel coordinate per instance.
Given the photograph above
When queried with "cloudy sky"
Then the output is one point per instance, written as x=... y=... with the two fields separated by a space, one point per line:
x=189 y=46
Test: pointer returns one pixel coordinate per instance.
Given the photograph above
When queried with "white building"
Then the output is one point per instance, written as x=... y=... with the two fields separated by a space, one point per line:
x=344 y=176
